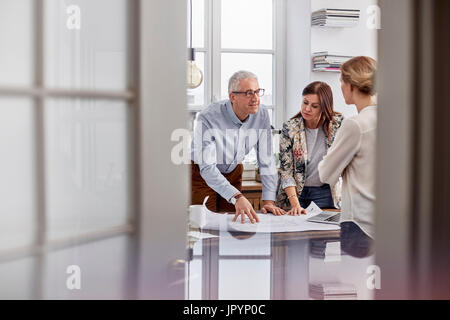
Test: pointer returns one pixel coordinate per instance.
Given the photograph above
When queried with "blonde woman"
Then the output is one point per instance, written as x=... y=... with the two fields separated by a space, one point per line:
x=352 y=156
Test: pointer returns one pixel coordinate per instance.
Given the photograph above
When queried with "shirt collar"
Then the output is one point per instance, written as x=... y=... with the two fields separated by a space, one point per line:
x=368 y=108
x=233 y=116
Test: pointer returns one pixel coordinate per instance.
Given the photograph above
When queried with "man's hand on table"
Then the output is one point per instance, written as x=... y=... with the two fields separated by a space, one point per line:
x=269 y=206
x=244 y=207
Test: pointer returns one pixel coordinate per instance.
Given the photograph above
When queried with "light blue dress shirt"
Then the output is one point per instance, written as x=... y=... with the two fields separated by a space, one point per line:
x=221 y=141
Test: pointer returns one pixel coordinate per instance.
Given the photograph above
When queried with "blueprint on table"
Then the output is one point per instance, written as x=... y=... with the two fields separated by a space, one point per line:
x=268 y=223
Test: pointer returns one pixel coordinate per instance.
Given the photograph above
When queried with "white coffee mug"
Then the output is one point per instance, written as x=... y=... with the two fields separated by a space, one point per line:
x=197 y=216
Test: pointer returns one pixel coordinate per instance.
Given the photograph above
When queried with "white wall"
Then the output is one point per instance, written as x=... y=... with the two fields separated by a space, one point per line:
x=355 y=41
x=298 y=53
x=302 y=40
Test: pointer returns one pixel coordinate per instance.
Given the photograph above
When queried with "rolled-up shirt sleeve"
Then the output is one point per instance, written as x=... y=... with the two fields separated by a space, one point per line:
x=287 y=160
x=205 y=155
x=266 y=162
x=345 y=146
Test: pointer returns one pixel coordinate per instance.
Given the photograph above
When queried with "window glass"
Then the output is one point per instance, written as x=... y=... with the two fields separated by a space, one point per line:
x=247 y=24
x=259 y=64
x=17 y=184
x=17 y=278
x=86 y=163
x=86 y=44
x=198 y=24
x=103 y=267
x=16 y=38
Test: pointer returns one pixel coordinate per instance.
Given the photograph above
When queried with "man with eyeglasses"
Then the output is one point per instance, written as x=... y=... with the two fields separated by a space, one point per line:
x=224 y=133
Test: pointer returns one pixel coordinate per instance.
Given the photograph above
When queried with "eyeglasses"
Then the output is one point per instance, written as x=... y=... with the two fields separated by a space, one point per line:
x=251 y=93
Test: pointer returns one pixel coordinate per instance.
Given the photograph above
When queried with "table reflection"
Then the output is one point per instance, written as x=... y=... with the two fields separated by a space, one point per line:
x=280 y=266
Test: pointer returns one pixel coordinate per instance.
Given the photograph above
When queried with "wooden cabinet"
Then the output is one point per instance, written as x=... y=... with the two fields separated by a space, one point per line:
x=252 y=190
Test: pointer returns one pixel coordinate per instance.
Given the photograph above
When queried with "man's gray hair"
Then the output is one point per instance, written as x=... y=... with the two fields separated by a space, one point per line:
x=233 y=84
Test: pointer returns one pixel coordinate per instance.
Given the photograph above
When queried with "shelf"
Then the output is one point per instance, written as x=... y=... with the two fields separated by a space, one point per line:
x=327 y=71
x=329 y=18
x=334 y=27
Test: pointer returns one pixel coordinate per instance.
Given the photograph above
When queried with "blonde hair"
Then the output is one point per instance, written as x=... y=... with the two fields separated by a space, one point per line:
x=360 y=72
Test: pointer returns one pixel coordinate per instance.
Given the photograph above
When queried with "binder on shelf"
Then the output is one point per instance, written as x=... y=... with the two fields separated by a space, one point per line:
x=337 y=70
x=326 y=62
x=328 y=17
x=330 y=54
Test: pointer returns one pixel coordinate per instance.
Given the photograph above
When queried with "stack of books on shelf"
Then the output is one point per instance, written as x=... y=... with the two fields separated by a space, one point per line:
x=335 y=18
x=325 y=61
x=327 y=249
x=332 y=291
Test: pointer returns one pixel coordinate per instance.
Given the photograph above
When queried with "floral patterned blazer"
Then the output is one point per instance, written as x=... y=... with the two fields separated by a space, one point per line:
x=293 y=157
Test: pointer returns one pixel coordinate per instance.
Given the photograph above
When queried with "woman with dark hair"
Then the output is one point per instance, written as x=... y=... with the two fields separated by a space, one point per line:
x=304 y=142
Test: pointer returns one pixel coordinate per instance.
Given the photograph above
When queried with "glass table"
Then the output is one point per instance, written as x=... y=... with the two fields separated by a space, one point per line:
x=279 y=266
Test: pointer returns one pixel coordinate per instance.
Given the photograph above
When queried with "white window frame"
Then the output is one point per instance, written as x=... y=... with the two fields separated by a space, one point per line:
x=151 y=273
x=212 y=50
x=39 y=92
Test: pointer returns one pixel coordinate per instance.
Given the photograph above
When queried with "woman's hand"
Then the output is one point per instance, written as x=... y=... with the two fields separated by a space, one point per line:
x=296 y=210
x=269 y=206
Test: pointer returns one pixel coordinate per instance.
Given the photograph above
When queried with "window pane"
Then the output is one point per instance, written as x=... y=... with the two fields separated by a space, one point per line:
x=86 y=166
x=247 y=24
x=93 y=56
x=196 y=97
x=103 y=266
x=17 y=205
x=235 y=285
x=198 y=24
x=16 y=39
x=260 y=64
x=17 y=279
